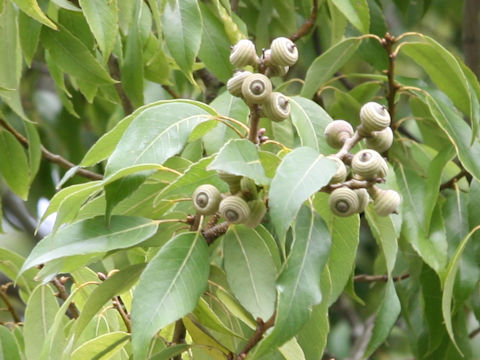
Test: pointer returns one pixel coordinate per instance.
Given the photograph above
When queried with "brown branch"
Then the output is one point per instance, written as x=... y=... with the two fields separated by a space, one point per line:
x=378 y=278
x=450 y=183
x=172 y=93
x=215 y=232
x=62 y=294
x=353 y=184
x=8 y=304
x=118 y=304
x=387 y=42
x=262 y=327
x=254 y=121
x=179 y=334
x=211 y=82
x=54 y=158
x=474 y=333
x=307 y=25
x=114 y=68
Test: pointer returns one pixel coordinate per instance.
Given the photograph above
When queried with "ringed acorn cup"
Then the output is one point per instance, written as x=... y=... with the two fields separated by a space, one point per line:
x=386 y=202
x=341 y=173
x=369 y=164
x=337 y=132
x=363 y=199
x=374 y=117
x=343 y=202
x=380 y=141
x=206 y=199
x=284 y=52
x=233 y=181
x=234 y=84
x=243 y=54
x=234 y=209
x=257 y=212
x=256 y=88
x=276 y=107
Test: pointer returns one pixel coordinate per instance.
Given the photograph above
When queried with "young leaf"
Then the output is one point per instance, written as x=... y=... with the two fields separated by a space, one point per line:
x=301 y=173
x=327 y=64
x=91 y=236
x=183 y=34
x=356 y=12
x=386 y=317
x=240 y=157
x=102 y=347
x=31 y=8
x=14 y=164
x=29 y=31
x=250 y=270
x=102 y=17
x=448 y=283
x=175 y=278
x=298 y=285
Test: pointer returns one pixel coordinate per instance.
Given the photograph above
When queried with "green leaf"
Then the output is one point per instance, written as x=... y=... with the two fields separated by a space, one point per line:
x=328 y=64
x=208 y=347
x=9 y=348
x=14 y=164
x=215 y=48
x=250 y=270
x=34 y=149
x=170 y=352
x=458 y=132
x=298 y=285
x=301 y=173
x=116 y=284
x=10 y=266
x=443 y=69
x=356 y=12
x=240 y=157
x=73 y=57
x=448 y=283
x=183 y=34
x=40 y=313
x=163 y=129
x=383 y=230
x=31 y=8
x=91 y=236
x=102 y=347
x=102 y=18
x=175 y=278
x=29 y=31
x=310 y=121
x=385 y=320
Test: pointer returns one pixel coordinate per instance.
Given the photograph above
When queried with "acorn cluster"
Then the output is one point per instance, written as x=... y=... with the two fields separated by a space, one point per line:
x=256 y=87
x=367 y=164
x=242 y=205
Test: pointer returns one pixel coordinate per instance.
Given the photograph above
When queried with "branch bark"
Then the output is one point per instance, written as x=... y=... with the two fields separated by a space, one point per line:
x=307 y=25
x=262 y=327
x=114 y=68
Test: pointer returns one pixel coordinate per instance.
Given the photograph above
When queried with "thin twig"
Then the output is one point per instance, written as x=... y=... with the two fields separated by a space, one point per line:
x=353 y=184
x=307 y=25
x=378 y=278
x=450 y=183
x=114 y=68
x=349 y=144
x=62 y=294
x=387 y=42
x=474 y=333
x=172 y=92
x=8 y=304
x=215 y=232
x=262 y=327
x=254 y=121
x=118 y=304
x=179 y=334
x=54 y=158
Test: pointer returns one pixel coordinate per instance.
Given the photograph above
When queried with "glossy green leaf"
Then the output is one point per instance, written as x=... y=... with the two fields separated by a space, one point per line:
x=91 y=236
x=29 y=30
x=163 y=129
x=14 y=164
x=240 y=157
x=31 y=8
x=301 y=173
x=209 y=318
x=448 y=283
x=386 y=318
x=298 y=284
x=183 y=34
x=40 y=314
x=215 y=48
x=208 y=346
x=328 y=64
x=73 y=57
x=250 y=270
x=170 y=352
x=383 y=229
x=9 y=348
x=310 y=121
x=443 y=68
x=116 y=284
x=175 y=278
x=291 y=350
x=102 y=347
x=356 y=12
x=102 y=17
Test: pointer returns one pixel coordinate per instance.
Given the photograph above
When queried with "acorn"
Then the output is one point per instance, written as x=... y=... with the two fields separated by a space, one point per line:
x=284 y=52
x=380 y=141
x=243 y=54
x=341 y=173
x=276 y=107
x=337 y=132
x=257 y=212
x=206 y=199
x=374 y=117
x=256 y=88
x=248 y=188
x=386 y=202
x=234 y=209
x=343 y=202
x=363 y=199
x=369 y=164
x=234 y=84
x=233 y=181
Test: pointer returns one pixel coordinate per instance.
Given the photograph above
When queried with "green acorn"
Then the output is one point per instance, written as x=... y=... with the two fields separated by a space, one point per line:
x=234 y=209
x=206 y=199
